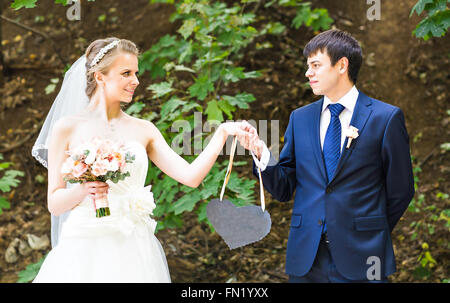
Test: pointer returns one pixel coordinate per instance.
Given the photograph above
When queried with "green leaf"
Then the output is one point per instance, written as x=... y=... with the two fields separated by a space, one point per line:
x=160 y=89
x=211 y=189
x=102 y=18
x=444 y=19
x=30 y=271
x=436 y=6
x=63 y=2
x=212 y=183
x=186 y=203
x=288 y=3
x=201 y=87
x=237 y=73
x=203 y=38
x=227 y=108
x=275 y=28
x=420 y=6
x=252 y=74
x=429 y=257
x=9 y=180
x=167 y=49
x=170 y=106
x=18 y=4
x=426 y=27
x=165 y=189
x=4 y=204
x=170 y=221
x=320 y=19
x=5 y=165
x=302 y=16
x=186 y=53
x=39 y=179
x=150 y=116
x=213 y=111
x=187 y=28
x=317 y=19
x=49 y=89
x=135 y=108
x=240 y=100
x=189 y=106
x=183 y=68
x=248 y=18
x=234 y=74
x=201 y=213
x=227 y=38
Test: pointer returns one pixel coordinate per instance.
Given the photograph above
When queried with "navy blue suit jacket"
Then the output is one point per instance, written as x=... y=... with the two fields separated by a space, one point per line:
x=372 y=187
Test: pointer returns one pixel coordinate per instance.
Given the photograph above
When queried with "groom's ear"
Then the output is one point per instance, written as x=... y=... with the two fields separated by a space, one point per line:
x=342 y=66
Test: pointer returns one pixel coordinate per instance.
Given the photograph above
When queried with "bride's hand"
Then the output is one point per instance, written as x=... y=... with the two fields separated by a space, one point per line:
x=233 y=129
x=95 y=189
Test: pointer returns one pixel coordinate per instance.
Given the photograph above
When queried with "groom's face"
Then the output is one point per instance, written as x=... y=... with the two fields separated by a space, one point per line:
x=323 y=77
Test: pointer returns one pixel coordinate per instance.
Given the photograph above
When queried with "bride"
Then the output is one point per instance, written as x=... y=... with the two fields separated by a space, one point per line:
x=121 y=247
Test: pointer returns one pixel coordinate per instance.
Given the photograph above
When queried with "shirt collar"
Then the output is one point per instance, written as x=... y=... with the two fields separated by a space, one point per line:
x=348 y=100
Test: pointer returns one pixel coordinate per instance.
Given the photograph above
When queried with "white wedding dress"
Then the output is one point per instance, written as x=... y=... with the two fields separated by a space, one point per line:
x=121 y=247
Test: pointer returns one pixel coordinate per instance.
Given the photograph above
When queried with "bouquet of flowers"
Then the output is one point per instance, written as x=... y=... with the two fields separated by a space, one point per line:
x=97 y=160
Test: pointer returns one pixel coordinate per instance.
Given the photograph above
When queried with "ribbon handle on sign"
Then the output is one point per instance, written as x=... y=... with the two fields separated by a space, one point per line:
x=227 y=176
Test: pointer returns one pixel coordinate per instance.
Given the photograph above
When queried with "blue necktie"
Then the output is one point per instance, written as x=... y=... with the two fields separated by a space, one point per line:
x=332 y=143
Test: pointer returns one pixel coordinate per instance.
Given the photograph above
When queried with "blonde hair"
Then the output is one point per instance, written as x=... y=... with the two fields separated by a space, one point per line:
x=104 y=65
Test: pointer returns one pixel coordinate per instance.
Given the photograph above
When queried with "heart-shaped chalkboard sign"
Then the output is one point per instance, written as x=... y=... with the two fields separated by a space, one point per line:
x=238 y=226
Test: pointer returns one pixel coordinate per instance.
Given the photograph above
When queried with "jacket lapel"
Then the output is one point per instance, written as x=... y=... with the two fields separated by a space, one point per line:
x=315 y=137
x=359 y=118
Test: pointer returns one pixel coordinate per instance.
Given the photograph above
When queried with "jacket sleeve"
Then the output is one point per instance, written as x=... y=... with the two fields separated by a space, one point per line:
x=279 y=177
x=397 y=168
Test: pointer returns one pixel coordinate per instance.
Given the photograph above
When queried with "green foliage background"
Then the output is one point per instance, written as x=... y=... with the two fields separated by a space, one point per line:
x=436 y=20
x=191 y=69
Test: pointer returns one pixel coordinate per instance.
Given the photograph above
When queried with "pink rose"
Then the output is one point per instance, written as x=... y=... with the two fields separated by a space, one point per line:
x=79 y=168
x=100 y=167
x=105 y=151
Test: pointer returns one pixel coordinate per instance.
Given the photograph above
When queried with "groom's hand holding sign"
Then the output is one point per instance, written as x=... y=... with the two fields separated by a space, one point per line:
x=250 y=140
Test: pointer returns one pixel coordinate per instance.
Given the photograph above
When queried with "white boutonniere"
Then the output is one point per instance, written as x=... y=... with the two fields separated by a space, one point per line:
x=352 y=133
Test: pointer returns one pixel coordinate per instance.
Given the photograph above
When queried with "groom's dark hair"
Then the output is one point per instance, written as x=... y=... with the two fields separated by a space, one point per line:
x=337 y=44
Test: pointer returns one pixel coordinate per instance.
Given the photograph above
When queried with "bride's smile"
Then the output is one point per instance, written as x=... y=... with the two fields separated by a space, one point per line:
x=121 y=80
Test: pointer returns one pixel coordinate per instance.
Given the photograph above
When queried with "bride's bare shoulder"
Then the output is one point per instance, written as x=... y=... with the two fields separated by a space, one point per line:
x=146 y=130
x=144 y=125
x=68 y=123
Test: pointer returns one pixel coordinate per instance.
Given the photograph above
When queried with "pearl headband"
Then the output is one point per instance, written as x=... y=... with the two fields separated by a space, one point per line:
x=103 y=51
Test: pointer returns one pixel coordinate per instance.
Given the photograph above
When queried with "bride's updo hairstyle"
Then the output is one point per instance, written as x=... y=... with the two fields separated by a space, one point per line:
x=99 y=58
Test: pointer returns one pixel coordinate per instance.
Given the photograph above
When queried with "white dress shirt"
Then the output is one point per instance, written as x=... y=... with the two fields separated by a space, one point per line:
x=349 y=103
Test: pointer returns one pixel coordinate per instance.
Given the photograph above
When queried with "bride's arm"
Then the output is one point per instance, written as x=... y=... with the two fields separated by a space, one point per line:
x=179 y=169
x=59 y=198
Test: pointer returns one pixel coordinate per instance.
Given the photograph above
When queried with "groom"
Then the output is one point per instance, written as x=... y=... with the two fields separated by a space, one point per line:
x=347 y=158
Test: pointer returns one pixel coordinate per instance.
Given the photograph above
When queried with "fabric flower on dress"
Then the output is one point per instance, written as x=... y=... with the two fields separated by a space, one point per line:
x=139 y=205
